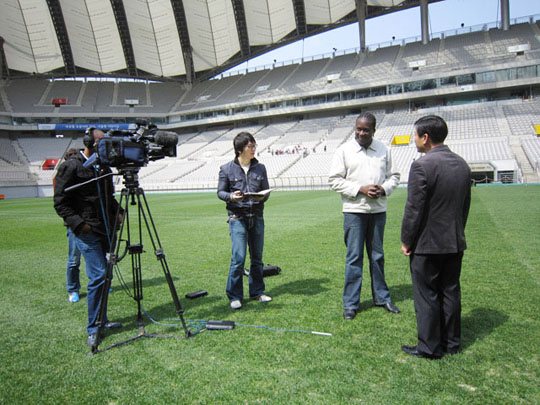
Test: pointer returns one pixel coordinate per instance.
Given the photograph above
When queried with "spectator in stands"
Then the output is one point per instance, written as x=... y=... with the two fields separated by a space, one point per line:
x=81 y=209
x=433 y=236
x=246 y=223
x=73 y=283
x=362 y=173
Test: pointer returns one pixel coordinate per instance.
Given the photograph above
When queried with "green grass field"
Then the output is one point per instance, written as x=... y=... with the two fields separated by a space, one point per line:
x=44 y=357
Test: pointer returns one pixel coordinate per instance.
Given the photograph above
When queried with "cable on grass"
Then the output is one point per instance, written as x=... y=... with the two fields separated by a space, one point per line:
x=195 y=326
x=312 y=332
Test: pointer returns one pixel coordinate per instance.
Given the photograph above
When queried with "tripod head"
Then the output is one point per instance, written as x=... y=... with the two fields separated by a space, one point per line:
x=130 y=177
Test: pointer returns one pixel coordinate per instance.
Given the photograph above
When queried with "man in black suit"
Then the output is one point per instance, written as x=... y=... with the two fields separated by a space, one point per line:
x=433 y=236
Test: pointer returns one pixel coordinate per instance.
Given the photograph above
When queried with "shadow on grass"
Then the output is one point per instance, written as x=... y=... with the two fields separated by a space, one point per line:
x=166 y=315
x=398 y=293
x=479 y=324
x=308 y=286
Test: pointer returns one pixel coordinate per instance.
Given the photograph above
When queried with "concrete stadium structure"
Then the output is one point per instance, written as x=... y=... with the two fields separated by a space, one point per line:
x=483 y=80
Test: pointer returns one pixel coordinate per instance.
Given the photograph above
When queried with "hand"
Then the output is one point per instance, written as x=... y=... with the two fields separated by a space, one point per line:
x=86 y=229
x=372 y=190
x=237 y=195
x=406 y=250
x=120 y=218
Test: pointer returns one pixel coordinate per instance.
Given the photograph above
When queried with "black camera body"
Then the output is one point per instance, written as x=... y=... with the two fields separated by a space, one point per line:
x=125 y=149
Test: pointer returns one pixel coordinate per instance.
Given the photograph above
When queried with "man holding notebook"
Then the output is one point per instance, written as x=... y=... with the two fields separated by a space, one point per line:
x=243 y=185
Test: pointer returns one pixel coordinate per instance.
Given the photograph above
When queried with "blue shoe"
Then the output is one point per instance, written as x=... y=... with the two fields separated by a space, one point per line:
x=73 y=297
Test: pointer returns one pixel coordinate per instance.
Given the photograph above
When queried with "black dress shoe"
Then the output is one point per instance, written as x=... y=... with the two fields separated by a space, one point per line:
x=390 y=307
x=92 y=340
x=349 y=314
x=112 y=325
x=451 y=351
x=413 y=351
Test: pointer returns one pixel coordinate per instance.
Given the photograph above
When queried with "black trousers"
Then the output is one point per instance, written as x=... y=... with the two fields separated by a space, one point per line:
x=437 y=302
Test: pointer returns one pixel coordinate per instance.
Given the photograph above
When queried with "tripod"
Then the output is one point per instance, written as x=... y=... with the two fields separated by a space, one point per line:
x=133 y=195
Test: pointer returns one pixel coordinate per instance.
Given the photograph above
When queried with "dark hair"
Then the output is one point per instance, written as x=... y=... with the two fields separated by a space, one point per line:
x=70 y=153
x=434 y=126
x=368 y=117
x=240 y=142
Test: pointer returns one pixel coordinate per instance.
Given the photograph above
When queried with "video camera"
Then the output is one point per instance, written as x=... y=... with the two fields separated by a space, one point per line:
x=126 y=149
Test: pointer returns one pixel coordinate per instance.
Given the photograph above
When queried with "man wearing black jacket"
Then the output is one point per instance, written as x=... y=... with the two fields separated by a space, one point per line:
x=433 y=236
x=244 y=175
x=89 y=211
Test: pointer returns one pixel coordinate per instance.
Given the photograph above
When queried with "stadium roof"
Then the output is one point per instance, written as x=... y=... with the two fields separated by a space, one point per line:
x=185 y=40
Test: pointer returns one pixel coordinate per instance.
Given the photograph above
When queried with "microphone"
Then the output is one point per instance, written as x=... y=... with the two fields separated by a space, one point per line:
x=166 y=138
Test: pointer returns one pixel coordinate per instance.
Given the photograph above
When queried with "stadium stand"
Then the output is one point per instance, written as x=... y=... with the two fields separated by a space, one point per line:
x=342 y=64
x=196 y=94
x=467 y=49
x=104 y=99
x=163 y=96
x=62 y=89
x=38 y=149
x=243 y=88
x=416 y=51
x=223 y=144
x=126 y=91
x=531 y=146
x=168 y=171
x=273 y=80
x=377 y=66
x=297 y=148
x=312 y=165
x=199 y=141
x=25 y=95
x=304 y=74
x=90 y=96
x=519 y=34
x=7 y=152
x=522 y=116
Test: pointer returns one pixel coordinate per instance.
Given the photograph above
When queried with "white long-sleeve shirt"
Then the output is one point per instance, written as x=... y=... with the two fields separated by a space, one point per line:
x=354 y=166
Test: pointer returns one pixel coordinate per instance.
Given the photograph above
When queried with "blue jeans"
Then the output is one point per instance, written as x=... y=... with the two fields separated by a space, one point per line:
x=360 y=230
x=246 y=232
x=73 y=283
x=91 y=248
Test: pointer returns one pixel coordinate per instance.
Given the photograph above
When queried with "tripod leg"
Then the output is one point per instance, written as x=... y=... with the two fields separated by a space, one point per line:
x=158 y=250
x=135 y=252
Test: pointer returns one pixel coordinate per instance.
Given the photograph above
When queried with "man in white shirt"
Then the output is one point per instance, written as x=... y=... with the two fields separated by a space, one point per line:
x=362 y=173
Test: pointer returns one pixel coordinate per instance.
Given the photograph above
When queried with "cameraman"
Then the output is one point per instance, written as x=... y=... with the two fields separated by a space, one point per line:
x=89 y=212
x=246 y=224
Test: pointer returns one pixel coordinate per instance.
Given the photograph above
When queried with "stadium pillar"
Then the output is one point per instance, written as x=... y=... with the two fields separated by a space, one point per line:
x=505 y=15
x=361 y=17
x=424 y=21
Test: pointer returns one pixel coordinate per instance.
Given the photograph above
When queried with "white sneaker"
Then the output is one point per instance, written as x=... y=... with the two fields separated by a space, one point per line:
x=264 y=298
x=73 y=297
x=236 y=304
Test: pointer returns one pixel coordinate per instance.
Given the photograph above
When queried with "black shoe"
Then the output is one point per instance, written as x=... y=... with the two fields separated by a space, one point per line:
x=451 y=351
x=112 y=325
x=413 y=351
x=349 y=314
x=92 y=340
x=390 y=307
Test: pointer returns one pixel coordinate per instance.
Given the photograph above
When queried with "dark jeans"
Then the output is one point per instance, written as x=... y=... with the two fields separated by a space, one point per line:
x=91 y=248
x=247 y=232
x=360 y=230
x=73 y=283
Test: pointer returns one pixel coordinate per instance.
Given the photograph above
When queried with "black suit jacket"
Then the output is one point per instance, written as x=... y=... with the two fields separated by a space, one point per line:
x=438 y=201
